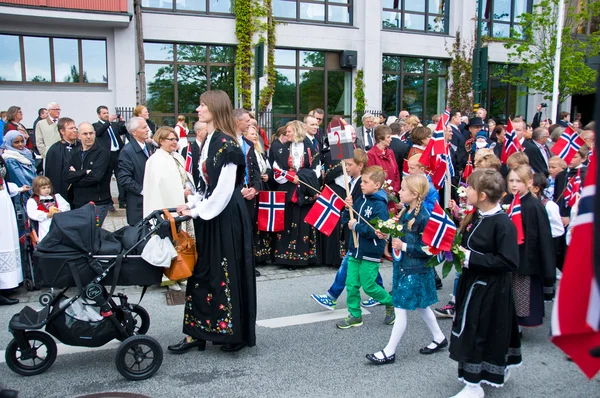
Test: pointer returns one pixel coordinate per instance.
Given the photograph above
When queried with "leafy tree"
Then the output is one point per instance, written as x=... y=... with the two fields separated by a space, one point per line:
x=533 y=45
x=460 y=93
x=73 y=76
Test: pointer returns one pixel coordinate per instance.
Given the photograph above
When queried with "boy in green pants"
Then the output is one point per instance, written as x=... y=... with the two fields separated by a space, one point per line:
x=364 y=259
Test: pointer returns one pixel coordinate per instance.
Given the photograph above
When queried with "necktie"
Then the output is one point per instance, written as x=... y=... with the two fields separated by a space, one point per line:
x=54 y=121
x=146 y=151
x=112 y=136
x=370 y=137
x=547 y=152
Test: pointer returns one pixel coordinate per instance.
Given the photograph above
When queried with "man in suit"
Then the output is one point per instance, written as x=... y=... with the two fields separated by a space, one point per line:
x=365 y=136
x=399 y=147
x=319 y=115
x=108 y=137
x=58 y=156
x=46 y=131
x=457 y=142
x=200 y=130
x=132 y=165
x=312 y=128
x=537 y=151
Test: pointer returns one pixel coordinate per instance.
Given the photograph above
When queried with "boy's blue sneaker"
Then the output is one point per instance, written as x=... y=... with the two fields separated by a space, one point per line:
x=371 y=302
x=349 y=322
x=325 y=301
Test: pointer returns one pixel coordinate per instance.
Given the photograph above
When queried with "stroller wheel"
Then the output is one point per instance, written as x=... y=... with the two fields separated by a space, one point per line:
x=34 y=360
x=45 y=299
x=29 y=285
x=141 y=318
x=139 y=357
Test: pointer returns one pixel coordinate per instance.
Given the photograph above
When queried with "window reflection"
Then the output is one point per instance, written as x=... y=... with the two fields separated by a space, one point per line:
x=160 y=90
x=224 y=6
x=66 y=60
x=158 y=51
x=94 y=61
x=421 y=15
x=10 y=61
x=212 y=6
x=320 y=11
x=504 y=15
x=284 y=8
x=191 y=82
x=191 y=5
x=191 y=53
x=37 y=59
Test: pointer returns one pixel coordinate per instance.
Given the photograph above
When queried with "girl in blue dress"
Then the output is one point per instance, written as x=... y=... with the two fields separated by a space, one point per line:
x=413 y=282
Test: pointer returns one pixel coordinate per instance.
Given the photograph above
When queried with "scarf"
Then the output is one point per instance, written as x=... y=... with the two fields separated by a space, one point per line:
x=9 y=138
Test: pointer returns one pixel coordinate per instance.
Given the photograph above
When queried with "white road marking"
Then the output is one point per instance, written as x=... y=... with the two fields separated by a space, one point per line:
x=304 y=319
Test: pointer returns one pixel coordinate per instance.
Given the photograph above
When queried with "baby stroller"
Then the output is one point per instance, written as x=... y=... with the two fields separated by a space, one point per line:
x=27 y=242
x=76 y=253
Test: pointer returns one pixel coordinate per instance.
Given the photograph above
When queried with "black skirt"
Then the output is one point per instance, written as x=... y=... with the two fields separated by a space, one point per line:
x=296 y=245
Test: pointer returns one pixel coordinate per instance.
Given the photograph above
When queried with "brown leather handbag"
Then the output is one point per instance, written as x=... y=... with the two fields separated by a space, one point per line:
x=183 y=265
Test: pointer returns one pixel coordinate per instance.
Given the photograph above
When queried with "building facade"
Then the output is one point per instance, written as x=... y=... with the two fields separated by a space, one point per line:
x=84 y=53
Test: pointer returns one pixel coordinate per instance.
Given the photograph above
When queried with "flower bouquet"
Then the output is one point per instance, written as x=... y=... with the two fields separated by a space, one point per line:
x=389 y=190
x=449 y=259
x=462 y=208
x=391 y=228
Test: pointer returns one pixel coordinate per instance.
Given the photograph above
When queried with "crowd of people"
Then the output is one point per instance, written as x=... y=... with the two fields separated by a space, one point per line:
x=215 y=171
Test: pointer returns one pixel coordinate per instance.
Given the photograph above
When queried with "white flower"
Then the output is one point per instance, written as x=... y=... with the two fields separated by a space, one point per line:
x=505 y=207
x=380 y=224
x=389 y=182
x=426 y=250
x=462 y=192
x=399 y=228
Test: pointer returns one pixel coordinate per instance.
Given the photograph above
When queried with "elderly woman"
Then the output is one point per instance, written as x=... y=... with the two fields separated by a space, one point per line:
x=19 y=160
x=14 y=115
x=382 y=155
x=142 y=111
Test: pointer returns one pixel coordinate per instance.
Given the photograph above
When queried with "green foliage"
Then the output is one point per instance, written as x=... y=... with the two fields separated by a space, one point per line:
x=245 y=26
x=73 y=76
x=451 y=259
x=359 y=96
x=535 y=46
x=266 y=94
x=460 y=91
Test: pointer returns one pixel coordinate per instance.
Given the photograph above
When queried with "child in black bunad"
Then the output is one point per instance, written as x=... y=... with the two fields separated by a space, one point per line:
x=485 y=337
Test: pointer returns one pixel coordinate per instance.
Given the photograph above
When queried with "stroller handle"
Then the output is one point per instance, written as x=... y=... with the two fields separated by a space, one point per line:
x=179 y=220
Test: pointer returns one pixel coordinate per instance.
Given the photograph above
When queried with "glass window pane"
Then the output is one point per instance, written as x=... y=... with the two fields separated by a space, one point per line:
x=191 y=5
x=94 y=61
x=223 y=6
x=414 y=5
x=284 y=99
x=412 y=96
x=285 y=57
x=191 y=53
x=436 y=6
x=339 y=14
x=160 y=88
x=501 y=30
x=66 y=60
x=520 y=8
x=312 y=59
x=313 y=12
x=436 y=24
x=158 y=3
x=391 y=63
x=339 y=92
x=158 y=51
x=502 y=9
x=37 y=59
x=347 y=2
x=222 y=78
x=390 y=3
x=390 y=20
x=10 y=62
x=414 y=22
x=312 y=85
x=284 y=8
x=436 y=66
x=414 y=65
x=390 y=92
x=436 y=97
x=223 y=55
x=191 y=82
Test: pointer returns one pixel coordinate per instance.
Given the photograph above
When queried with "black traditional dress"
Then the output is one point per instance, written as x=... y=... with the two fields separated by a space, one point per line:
x=330 y=248
x=485 y=334
x=262 y=239
x=221 y=294
x=296 y=245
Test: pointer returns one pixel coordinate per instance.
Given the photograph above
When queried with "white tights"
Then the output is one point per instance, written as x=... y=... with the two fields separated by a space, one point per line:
x=400 y=326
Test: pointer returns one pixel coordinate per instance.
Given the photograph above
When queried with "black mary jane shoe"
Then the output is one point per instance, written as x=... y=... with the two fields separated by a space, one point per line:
x=184 y=346
x=232 y=347
x=438 y=347
x=377 y=361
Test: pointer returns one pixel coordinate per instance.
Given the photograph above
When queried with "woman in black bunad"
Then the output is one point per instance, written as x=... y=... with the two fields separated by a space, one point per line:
x=485 y=336
x=295 y=246
x=278 y=141
x=220 y=301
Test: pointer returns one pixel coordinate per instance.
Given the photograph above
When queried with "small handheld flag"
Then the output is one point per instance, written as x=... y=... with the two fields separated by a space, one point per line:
x=325 y=213
x=514 y=212
x=568 y=144
x=271 y=211
x=440 y=230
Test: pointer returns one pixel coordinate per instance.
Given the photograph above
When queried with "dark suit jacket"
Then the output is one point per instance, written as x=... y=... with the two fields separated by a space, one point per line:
x=458 y=143
x=360 y=138
x=195 y=160
x=536 y=158
x=537 y=119
x=400 y=149
x=132 y=166
x=103 y=136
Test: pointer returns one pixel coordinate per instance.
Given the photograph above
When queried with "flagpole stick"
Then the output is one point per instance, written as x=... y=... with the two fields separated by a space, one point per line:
x=348 y=195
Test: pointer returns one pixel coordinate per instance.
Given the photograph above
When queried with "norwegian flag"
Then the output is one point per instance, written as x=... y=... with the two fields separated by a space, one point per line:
x=438 y=176
x=435 y=148
x=511 y=143
x=573 y=188
x=468 y=169
x=568 y=145
x=440 y=230
x=289 y=175
x=188 y=159
x=271 y=211
x=446 y=116
x=325 y=213
x=514 y=212
x=576 y=312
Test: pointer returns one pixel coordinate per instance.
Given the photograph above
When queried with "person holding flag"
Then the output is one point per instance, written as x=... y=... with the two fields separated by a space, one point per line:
x=534 y=280
x=485 y=336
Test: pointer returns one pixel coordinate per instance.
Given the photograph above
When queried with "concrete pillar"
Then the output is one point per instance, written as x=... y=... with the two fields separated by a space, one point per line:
x=369 y=21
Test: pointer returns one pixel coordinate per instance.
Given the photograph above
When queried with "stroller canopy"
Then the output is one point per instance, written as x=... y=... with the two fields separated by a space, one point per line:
x=72 y=231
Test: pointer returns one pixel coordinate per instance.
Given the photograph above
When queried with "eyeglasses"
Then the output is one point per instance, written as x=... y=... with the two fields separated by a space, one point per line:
x=172 y=139
x=54 y=109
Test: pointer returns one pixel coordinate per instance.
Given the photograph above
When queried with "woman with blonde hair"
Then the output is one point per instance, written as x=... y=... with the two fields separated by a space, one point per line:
x=142 y=111
x=296 y=244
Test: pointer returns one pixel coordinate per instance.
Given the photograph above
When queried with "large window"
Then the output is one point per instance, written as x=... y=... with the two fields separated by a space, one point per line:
x=416 y=15
x=417 y=85
x=41 y=59
x=203 y=6
x=307 y=80
x=319 y=11
x=176 y=75
x=500 y=16
x=504 y=100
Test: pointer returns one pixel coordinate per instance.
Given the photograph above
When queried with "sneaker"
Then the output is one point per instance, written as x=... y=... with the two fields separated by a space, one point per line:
x=390 y=315
x=371 y=302
x=470 y=392
x=325 y=301
x=349 y=322
x=446 y=311
x=174 y=287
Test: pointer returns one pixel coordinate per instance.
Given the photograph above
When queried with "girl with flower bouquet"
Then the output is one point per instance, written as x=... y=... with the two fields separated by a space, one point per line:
x=485 y=336
x=413 y=282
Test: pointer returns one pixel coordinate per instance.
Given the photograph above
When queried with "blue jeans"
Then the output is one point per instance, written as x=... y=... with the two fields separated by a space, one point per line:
x=339 y=283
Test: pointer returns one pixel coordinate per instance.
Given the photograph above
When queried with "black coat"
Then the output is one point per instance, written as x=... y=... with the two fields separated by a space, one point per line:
x=400 y=149
x=536 y=158
x=132 y=165
x=103 y=136
x=195 y=160
x=537 y=119
x=93 y=186
x=562 y=179
x=58 y=159
x=458 y=144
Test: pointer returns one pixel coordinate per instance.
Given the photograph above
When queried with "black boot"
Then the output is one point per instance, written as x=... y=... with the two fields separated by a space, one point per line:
x=185 y=345
x=9 y=393
x=5 y=300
